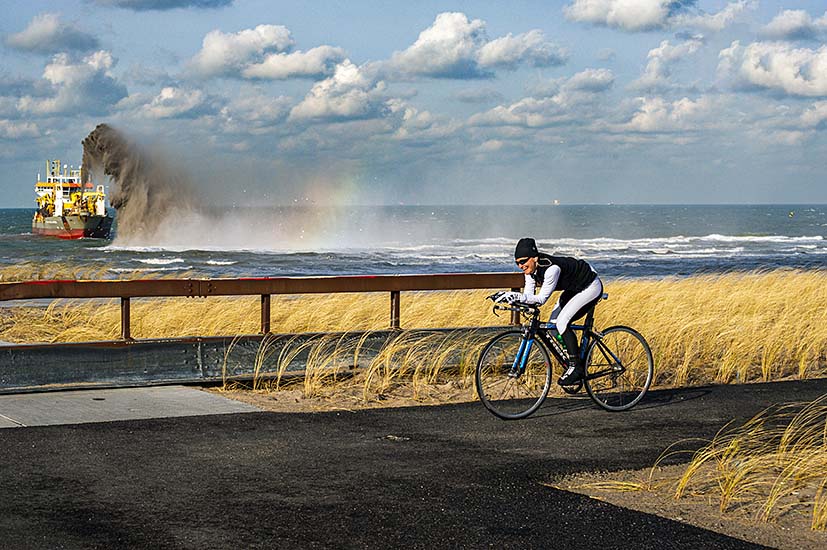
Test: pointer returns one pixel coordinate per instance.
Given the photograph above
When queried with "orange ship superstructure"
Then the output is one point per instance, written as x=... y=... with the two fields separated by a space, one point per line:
x=68 y=207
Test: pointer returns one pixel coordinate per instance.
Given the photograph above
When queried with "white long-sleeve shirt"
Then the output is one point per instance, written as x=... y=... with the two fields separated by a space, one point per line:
x=549 y=284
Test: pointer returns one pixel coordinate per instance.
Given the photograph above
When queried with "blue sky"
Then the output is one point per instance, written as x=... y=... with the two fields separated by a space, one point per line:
x=584 y=101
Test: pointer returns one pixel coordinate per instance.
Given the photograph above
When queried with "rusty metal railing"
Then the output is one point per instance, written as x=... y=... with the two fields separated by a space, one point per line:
x=264 y=287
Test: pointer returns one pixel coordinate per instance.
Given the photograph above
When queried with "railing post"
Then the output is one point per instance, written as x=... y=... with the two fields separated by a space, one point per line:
x=395 y=298
x=515 y=315
x=125 y=332
x=265 y=313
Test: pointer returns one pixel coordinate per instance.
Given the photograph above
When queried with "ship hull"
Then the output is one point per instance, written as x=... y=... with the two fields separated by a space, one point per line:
x=73 y=226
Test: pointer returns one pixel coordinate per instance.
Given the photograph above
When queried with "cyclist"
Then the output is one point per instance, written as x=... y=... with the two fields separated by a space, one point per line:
x=581 y=288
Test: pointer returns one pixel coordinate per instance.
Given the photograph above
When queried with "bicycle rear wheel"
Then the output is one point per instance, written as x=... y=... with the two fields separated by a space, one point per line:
x=619 y=369
x=503 y=392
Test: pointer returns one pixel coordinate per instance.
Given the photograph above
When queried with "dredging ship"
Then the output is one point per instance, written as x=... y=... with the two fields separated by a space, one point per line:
x=68 y=207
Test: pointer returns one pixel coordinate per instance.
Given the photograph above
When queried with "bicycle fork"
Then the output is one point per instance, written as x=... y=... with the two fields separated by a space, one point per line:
x=518 y=367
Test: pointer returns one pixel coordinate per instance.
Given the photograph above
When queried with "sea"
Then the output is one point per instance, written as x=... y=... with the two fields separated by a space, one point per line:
x=620 y=241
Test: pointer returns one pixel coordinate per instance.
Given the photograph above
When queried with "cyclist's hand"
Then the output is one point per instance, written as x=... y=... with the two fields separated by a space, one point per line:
x=509 y=297
x=496 y=296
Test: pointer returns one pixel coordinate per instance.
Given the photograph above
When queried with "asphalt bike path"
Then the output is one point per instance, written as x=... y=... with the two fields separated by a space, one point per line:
x=448 y=476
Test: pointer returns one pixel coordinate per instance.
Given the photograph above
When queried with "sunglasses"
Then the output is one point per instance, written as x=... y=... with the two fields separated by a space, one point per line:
x=522 y=261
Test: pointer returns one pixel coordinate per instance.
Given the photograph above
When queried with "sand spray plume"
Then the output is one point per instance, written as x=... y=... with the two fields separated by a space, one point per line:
x=159 y=205
x=197 y=199
x=147 y=190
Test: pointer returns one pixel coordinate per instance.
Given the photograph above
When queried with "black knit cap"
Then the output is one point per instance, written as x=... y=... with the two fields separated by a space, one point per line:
x=526 y=248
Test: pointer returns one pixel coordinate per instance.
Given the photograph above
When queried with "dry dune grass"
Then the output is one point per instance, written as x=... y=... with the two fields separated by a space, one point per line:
x=774 y=464
x=771 y=469
x=712 y=328
x=415 y=365
x=725 y=328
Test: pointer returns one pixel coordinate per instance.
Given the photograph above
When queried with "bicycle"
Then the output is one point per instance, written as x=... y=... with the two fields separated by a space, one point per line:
x=514 y=371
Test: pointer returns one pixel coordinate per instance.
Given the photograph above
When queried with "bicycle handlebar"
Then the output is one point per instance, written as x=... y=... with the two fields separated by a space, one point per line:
x=525 y=309
x=521 y=307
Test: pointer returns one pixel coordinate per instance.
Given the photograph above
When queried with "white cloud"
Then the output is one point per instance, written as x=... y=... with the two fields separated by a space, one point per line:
x=659 y=63
x=559 y=108
x=456 y=47
x=264 y=52
x=351 y=93
x=647 y=15
x=445 y=49
x=590 y=80
x=84 y=87
x=224 y=54
x=174 y=102
x=628 y=15
x=491 y=146
x=815 y=116
x=254 y=108
x=545 y=88
x=656 y=115
x=714 y=22
x=134 y=102
x=777 y=66
x=795 y=25
x=530 y=48
x=790 y=138
x=529 y=112
x=319 y=61
x=15 y=130
x=420 y=127
x=46 y=33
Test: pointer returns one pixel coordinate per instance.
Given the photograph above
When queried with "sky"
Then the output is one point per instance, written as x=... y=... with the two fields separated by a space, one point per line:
x=429 y=102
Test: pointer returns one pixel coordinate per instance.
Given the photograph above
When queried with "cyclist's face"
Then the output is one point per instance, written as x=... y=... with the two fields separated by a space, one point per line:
x=527 y=265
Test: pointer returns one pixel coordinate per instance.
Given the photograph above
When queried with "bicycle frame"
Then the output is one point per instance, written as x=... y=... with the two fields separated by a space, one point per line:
x=538 y=329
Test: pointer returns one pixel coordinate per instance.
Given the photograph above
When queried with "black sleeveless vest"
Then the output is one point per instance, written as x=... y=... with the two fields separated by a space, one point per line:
x=575 y=275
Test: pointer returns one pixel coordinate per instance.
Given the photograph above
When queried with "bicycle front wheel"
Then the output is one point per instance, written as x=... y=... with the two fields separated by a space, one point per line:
x=513 y=375
x=619 y=369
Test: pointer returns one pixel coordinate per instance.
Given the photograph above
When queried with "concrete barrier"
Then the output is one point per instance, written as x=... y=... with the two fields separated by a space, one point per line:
x=119 y=363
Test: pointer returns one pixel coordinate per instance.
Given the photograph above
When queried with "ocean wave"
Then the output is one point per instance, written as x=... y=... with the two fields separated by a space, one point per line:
x=495 y=242
x=212 y=249
x=161 y=261
x=147 y=269
x=499 y=247
x=156 y=249
x=606 y=242
x=763 y=238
